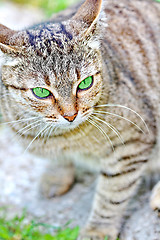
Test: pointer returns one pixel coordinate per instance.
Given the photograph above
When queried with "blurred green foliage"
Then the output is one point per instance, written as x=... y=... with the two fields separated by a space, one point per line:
x=18 y=228
x=49 y=6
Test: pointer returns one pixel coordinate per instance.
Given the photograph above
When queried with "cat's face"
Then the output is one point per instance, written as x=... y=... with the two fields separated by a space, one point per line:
x=61 y=85
x=57 y=76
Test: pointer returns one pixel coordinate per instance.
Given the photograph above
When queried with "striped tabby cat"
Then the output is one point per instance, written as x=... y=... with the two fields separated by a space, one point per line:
x=84 y=88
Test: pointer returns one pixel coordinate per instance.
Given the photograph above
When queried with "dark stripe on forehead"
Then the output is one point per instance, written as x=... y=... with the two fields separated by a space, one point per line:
x=15 y=87
x=45 y=38
x=31 y=38
x=64 y=31
x=97 y=73
x=38 y=38
x=78 y=73
x=58 y=42
x=47 y=81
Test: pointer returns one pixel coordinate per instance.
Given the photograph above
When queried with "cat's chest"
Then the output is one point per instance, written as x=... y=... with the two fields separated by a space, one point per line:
x=89 y=161
x=85 y=150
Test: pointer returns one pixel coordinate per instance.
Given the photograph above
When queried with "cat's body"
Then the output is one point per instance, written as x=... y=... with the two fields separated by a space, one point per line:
x=123 y=56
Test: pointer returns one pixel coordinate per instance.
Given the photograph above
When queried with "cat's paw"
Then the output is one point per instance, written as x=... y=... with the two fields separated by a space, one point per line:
x=155 y=198
x=90 y=238
x=57 y=181
x=98 y=234
x=87 y=236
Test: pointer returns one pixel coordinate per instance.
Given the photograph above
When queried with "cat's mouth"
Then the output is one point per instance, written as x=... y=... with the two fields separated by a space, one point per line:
x=63 y=128
x=65 y=123
x=62 y=125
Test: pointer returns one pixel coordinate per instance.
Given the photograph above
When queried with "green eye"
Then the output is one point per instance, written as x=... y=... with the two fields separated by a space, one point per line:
x=41 y=92
x=86 y=83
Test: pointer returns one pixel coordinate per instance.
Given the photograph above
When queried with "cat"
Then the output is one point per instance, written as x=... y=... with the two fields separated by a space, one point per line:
x=83 y=88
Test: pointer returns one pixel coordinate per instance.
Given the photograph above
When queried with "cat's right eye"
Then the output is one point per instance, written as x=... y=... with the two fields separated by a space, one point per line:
x=86 y=83
x=41 y=92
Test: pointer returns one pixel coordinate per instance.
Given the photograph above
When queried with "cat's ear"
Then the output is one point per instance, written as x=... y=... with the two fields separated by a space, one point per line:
x=88 y=14
x=10 y=41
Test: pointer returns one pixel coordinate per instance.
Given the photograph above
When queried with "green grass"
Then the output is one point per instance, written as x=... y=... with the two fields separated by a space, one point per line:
x=18 y=228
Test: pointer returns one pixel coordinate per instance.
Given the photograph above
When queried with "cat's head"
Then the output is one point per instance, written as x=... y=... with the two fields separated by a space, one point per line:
x=54 y=69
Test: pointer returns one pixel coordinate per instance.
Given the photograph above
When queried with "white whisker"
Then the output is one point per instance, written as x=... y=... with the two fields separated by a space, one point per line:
x=18 y=136
x=51 y=129
x=125 y=107
x=20 y=120
x=111 y=127
x=102 y=131
x=119 y=116
x=38 y=134
x=30 y=129
x=45 y=133
x=27 y=126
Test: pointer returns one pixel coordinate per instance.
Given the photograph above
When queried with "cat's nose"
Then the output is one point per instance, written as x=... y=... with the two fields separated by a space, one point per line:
x=70 y=118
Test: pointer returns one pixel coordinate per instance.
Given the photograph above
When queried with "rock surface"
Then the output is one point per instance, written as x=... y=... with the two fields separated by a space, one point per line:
x=20 y=174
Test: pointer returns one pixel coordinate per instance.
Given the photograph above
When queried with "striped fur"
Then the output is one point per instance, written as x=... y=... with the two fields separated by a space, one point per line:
x=120 y=47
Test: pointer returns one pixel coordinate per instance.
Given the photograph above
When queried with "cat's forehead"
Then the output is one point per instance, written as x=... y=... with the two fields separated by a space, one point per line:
x=49 y=34
x=53 y=51
x=54 y=45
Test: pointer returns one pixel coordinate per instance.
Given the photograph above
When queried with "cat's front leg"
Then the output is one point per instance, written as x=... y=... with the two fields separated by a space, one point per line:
x=105 y=218
x=57 y=180
x=116 y=186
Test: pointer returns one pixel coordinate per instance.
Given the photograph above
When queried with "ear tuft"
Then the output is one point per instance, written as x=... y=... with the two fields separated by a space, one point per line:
x=88 y=13
x=9 y=40
x=6 y=34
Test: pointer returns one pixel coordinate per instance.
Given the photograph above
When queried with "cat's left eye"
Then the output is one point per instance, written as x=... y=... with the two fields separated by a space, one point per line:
x=41 y=92
x=86 y=83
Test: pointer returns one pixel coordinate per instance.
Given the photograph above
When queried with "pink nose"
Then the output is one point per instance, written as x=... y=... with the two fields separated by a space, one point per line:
x=70 y=118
